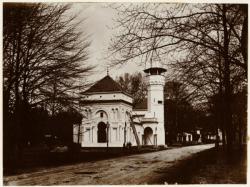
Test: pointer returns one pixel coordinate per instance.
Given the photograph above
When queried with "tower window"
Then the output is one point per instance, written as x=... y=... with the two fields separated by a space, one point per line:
x=101 y=114
x=159 y=102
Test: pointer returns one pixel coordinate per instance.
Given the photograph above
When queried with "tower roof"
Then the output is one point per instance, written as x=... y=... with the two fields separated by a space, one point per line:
x=106 y=84
x=154 y=66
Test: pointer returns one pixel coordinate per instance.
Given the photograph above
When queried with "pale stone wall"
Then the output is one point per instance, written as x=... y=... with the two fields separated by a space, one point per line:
x=116 y=114
x=108 y=96
x=156 y=106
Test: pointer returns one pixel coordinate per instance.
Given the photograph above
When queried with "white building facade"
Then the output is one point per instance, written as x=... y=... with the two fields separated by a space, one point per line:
x=111 y=121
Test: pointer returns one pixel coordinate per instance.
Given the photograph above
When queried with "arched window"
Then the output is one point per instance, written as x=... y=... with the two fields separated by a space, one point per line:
x=113 y=114
x=101 y=115
x=117 y=114
x=148 y=134
x=90 y=114
x=86 y=113
x=127 y=117
x=102 y=133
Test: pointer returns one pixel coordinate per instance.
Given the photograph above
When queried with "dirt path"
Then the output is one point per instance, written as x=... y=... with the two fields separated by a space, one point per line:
x=135 y=169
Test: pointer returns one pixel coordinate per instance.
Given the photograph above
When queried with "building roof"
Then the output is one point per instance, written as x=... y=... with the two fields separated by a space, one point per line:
x=143 y=105
x=106 y=84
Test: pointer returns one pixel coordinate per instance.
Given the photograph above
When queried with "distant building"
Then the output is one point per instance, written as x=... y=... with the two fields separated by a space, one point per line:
x=184 y=137
x=212 y=136
x=110 y=120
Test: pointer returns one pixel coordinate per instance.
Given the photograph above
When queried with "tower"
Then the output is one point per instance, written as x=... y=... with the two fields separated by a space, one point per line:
x=155 y=88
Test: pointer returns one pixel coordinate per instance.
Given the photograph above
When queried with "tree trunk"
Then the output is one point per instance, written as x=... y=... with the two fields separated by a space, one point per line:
x=223 y=137
x=240 y=134
x=227 y=93
x=244 y=35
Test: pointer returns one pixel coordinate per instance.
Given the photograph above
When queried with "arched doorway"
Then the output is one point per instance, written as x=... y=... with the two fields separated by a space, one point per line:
x=102 y=133
x=148 y=136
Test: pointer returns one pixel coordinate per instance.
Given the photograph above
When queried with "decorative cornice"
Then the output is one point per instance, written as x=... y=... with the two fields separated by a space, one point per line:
x=105 y=101
x=93 y=93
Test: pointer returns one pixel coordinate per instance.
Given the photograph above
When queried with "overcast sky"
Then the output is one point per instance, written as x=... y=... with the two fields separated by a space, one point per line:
x=99 y=22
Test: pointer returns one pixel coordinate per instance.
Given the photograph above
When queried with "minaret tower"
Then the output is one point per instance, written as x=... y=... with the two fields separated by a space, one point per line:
x=155 y=88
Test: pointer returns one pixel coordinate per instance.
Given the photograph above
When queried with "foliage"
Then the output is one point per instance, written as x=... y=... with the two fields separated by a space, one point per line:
x=62 y=125
x=178 y=112
x=135 y=85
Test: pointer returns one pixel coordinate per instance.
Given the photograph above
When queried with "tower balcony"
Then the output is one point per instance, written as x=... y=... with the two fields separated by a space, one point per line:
x=156 y=80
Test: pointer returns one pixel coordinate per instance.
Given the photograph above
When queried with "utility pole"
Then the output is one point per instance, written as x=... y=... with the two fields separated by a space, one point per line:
x=124 y=144
x=79 y=107
x=107 y=137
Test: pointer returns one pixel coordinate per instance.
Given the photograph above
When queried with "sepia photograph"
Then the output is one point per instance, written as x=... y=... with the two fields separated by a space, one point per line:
x=124 y=93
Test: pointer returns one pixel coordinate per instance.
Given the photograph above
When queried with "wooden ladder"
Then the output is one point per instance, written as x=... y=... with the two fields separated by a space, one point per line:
x=134 y=131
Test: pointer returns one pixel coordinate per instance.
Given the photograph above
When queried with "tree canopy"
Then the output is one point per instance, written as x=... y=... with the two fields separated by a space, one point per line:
x=135 y=85
x=203 y=45
x=44 y=54
x=44 y=69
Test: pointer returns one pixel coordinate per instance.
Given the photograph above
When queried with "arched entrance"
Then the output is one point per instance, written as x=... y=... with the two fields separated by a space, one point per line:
x=148 y=136
x=102 y=133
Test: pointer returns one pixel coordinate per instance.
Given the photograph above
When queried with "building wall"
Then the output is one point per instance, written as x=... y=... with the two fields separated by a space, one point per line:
x=156 y=105
x=156 y=96
x=108 y=96
x=116 y=115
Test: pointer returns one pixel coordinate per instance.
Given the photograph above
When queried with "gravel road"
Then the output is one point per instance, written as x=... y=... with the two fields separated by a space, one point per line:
x=134 y=169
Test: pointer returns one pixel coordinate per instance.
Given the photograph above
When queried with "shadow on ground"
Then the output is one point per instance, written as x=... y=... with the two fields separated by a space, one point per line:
x=34 y=160
x=213 y=166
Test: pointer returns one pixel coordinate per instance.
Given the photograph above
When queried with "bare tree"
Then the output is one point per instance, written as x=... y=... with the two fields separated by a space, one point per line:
x=42 y=48
x=203 y=43
x=44 y=56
